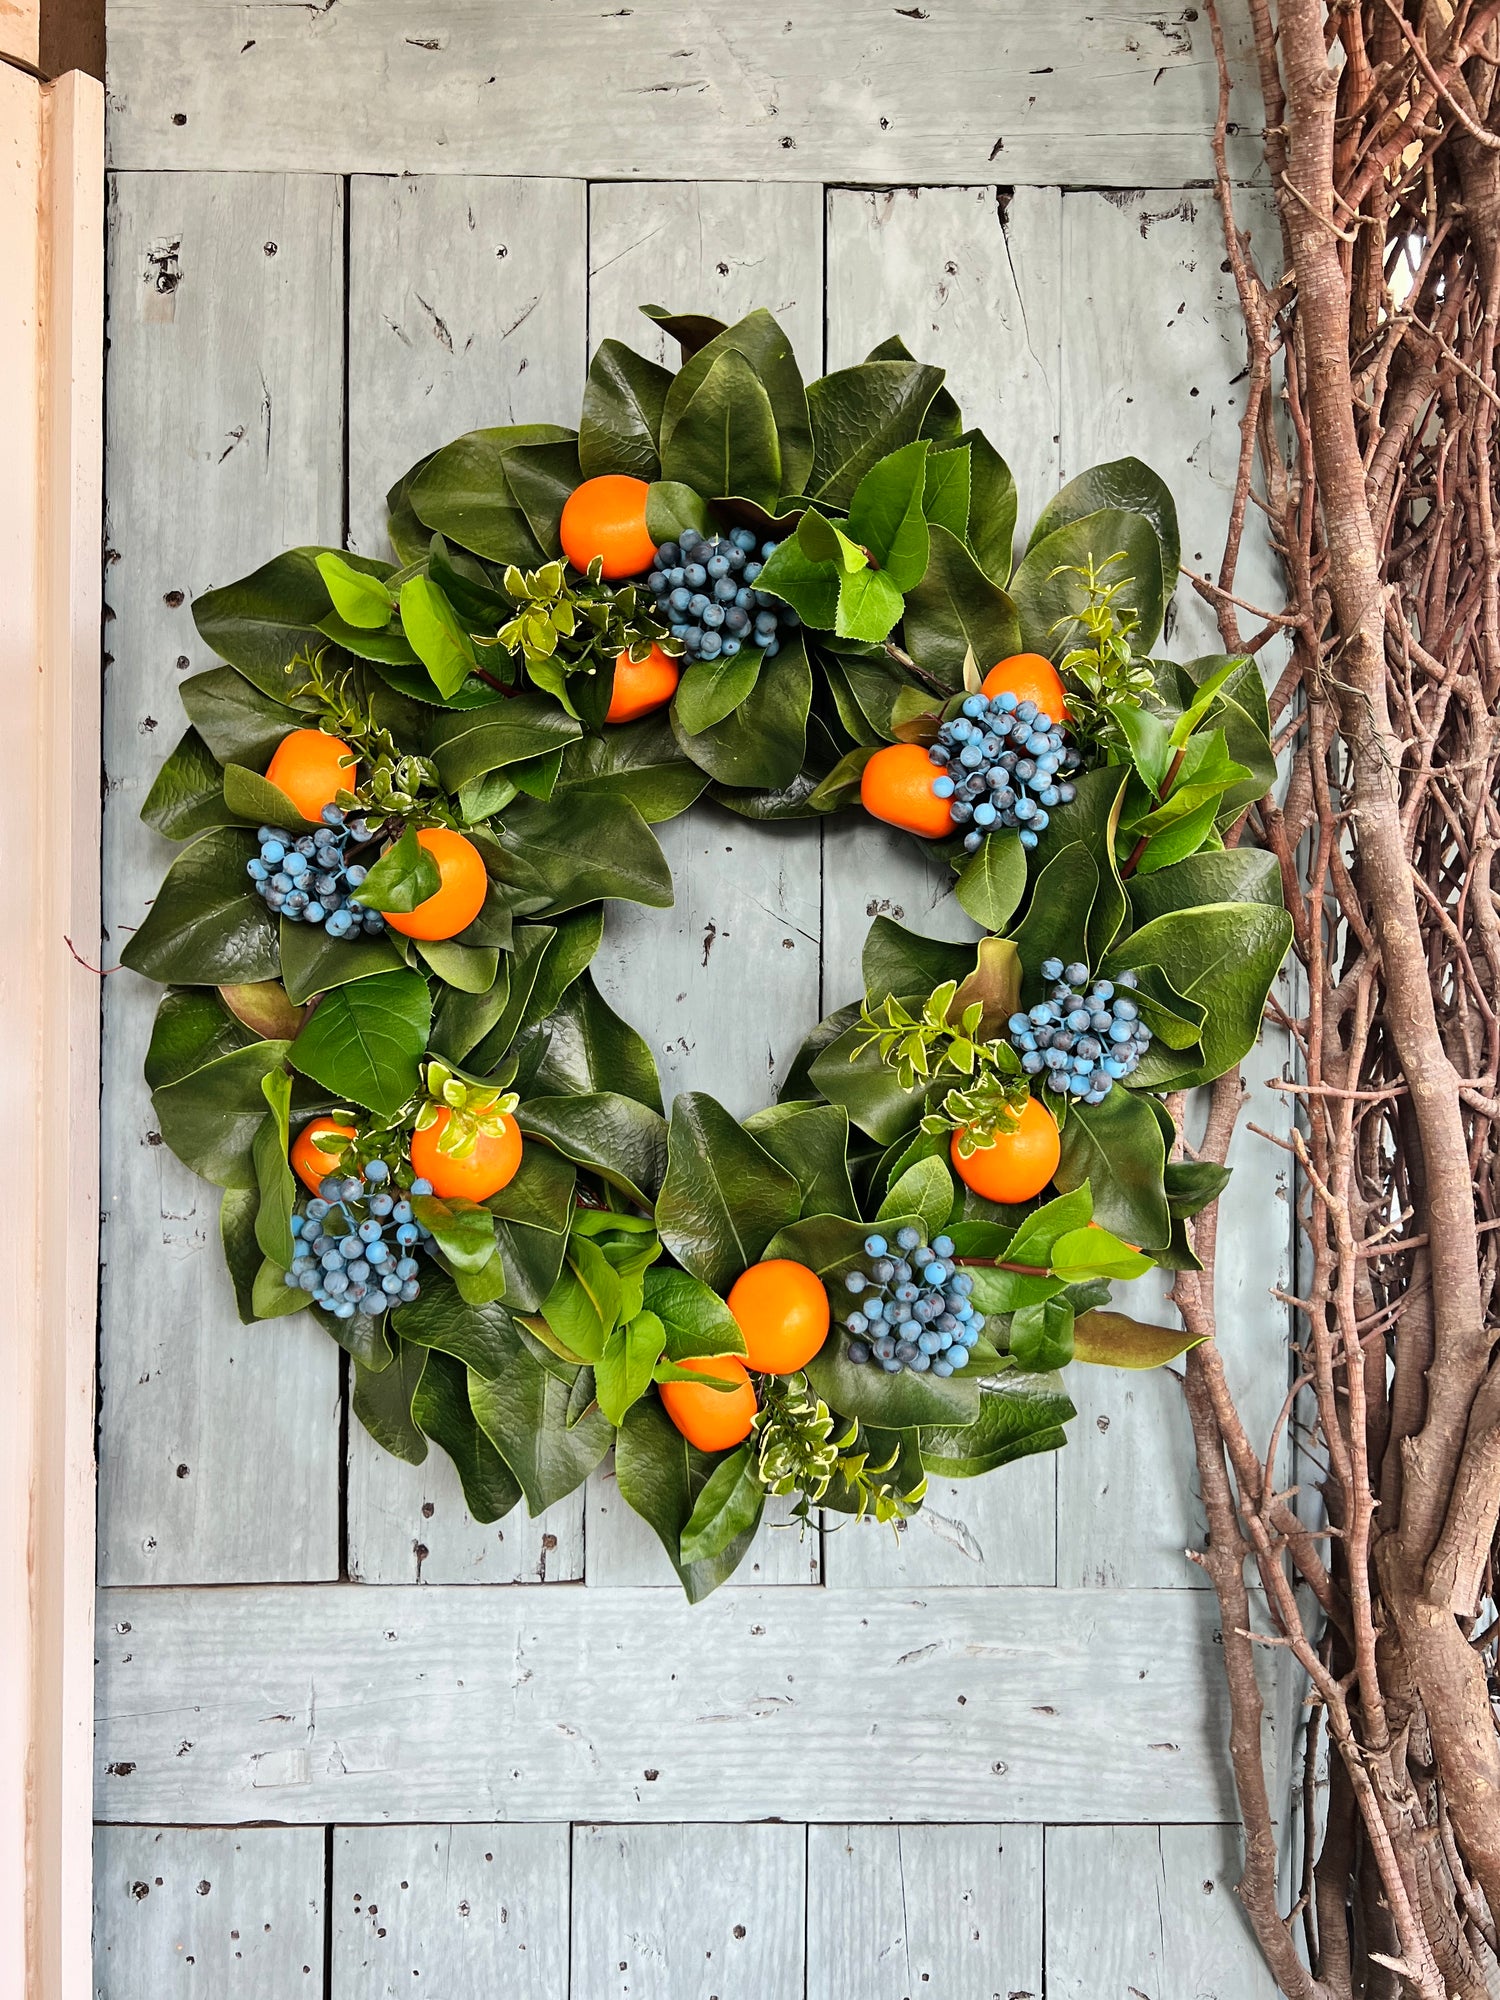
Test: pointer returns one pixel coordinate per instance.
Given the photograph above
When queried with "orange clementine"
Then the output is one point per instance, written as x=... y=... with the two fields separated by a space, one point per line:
x=312 y=768
x=491 y=1166
x=712 y=1419
x=897 y=787
x=460 y=893
x=607 y=517
x=642 y=686
x=1030 y=677
x=311 y=1163
x=782 y=1311
x=1016 y=1165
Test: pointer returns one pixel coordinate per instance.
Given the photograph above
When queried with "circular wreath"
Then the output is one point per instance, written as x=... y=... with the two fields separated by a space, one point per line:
x=409 y=792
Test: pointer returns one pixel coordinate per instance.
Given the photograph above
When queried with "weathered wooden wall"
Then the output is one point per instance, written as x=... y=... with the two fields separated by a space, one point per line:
x=984 y=1788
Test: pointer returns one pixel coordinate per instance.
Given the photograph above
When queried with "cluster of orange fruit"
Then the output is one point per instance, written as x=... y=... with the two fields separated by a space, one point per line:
x=782 y=1310
x=490 y=1165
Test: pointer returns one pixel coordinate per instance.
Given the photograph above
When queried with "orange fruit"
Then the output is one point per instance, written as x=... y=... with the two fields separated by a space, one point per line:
x=782 y=1311
x=1016 y=1165
x=640 y=687
x=490 y=1167
x=311 y=1164
x=712 y=1419
x=1030 y=677
x=459 y=896
x=607 y=517
x=312 y=768
x=897 y=787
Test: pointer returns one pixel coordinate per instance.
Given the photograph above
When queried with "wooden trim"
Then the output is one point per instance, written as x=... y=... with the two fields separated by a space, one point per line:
x=20 y=27
x=51 y=360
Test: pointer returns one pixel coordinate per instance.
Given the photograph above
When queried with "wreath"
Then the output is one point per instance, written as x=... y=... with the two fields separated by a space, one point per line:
x=411 y=788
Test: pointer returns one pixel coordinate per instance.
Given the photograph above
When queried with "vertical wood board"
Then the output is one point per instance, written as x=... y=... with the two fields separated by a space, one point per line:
x=688 y=1912
x=461 y=1910
x=205 y=1912
x=218 y=1443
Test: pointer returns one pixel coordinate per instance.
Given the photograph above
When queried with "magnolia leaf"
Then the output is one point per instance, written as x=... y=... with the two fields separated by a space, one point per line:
x=1114 y=1340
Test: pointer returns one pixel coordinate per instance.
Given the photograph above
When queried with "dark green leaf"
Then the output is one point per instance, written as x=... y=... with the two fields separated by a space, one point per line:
x=524 y=1412
x=463 y=1230
x=242 y=1254
x=263 y=621
x=728 y=1506
x=239 y=724
x=1041 y=1336
x=671 y=507
x=867 y=1088
x=404 y=876
x=542 y=477
x=992 y=880
x=464 y=493
x=581 y=847
x=441 y=1407
x=766 y=348
x=992 y=508
x=1233 y=875
x=187 y=795
x=253 y=799
x=945 y=491
x=660 y=1476
x=1121 y=483
x=896 y=960
x=724 y=438
x=763 y=743
x=639 y=761
x=859 y=416
x=1050 y=595
x=955 y=610
x=1117 y=1148
x=382 y=1401
x=365 y=1041
x=620 y=428
x=207 y=926
x=623 y=1141
x=467 y=743
x=192 y=1027
x=724 y=1196
x=590 y=1049
x=313 y=962
x=1192 y=1184
x=483 y=1337
x=690 y=330
x=467 y=968
x=210 y=1116
x=1225 y=956
x=812 y=1142
x=1018 y=1415
x=711 y=689
x=1057 y=920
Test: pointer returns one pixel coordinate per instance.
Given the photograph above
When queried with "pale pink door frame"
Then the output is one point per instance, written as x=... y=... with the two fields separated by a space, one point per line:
x=51 y=369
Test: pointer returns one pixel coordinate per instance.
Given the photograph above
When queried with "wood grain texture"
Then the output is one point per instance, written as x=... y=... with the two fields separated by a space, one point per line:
x=688 y=1912
x=464 y=1910
x=466 y=308
x=316 y=1704
x=726 y=983
x=895 y=1912
x=218 y=1443
x=1149 y=361
x=1109 y=94
x=1148 y=1913
x=204 y=1912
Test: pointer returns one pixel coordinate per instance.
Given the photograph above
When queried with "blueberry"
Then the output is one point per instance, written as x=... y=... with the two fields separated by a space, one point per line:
x=855 y=1281
x=875 y=1246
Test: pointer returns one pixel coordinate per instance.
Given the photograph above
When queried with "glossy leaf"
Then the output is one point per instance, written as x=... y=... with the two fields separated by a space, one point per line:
x=812 y=1143
x=313 y=962
x=886 y=515
x=616 y=1137
x=956 y=610
x=440 y=1407
x=992 y=508
x=728 y=1506
x=481 y=1337
x=382 y=1401
x=764 y=345
x=524 y=1412
x=1041 y=1336
x=358 y=598
x=622 y=1374
x=859 y=416
x=464 y=493
x=638 y=761
x=207 y=926
x=1056 y=924
x=1122 y=483
x=1114 y=1340
x=467 y=743
x=992 y=880
x=711 y=689
x=866 y=1087
x=724 y=1195
x=580 y=848
x=896 y=960
x=187 y=795
x=924 y=1191
x=809 y=584
x=239 y=724
x=1231 y=875
x=695 y=1320
x=869 y=605
x=210 y=1116
x=1018 y=1414
x=273 y=1175
x=590 y=1048
x=404 y=876
x=620 y=428
x=1116 y=1147
x=438 y=639
x=1225 y=956
x=660 y=1476
x=1049 y=594
x=724 y=439
x=192 y=1027
x=365 y=1042
x=763 y=743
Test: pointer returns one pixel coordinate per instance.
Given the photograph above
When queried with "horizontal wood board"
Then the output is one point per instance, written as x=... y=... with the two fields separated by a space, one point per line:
x=1102 y=93
x=319 y=1703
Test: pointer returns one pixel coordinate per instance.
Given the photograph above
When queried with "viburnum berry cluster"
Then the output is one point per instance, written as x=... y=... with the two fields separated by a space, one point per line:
x=310 y=878
x=914 y=1310
x=356 y=1242
x=704 y=587
x=1001 y=763
x=1081 y=1042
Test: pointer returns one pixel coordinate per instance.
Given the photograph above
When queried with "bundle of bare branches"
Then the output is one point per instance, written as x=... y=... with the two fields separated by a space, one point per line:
x=1367 y=445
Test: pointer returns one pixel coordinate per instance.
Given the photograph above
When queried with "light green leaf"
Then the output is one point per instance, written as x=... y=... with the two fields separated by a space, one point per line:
x=365 y=1042
x=359 y=599
x=439 y=641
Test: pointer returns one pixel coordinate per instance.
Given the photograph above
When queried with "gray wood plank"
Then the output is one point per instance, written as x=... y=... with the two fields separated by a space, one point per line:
x=688 y=1912
x=218 y=1443
x=982 y=297
x=896 y=1911
x=1149 y=365
x=316 y=1704
x=1148 y=1913
x=1107 y=93
x=726 y=983
x=466 y=1910
x=466 y=307
x=205 y=1911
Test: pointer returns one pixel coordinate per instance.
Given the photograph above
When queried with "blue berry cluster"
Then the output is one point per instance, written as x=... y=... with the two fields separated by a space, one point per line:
x=914 y=1309
x=1001 y=762
x=704 y=587
x=1082 y=1039
x=355 y=1244
x=309 y=877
